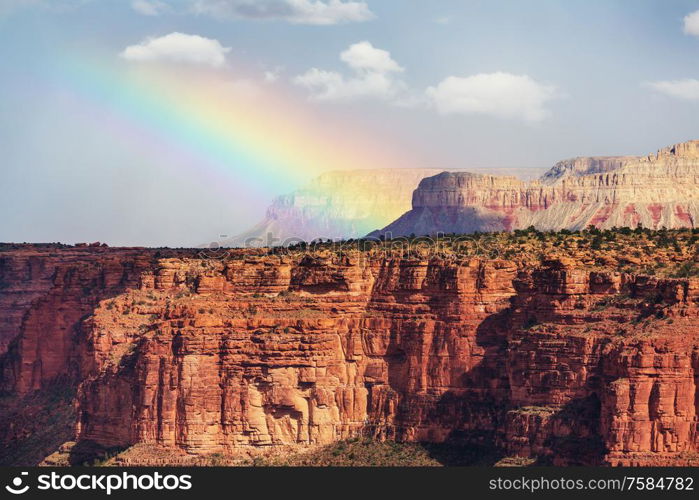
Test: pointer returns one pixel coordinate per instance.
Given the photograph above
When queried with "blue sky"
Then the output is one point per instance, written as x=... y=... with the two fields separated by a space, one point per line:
x=451 y=84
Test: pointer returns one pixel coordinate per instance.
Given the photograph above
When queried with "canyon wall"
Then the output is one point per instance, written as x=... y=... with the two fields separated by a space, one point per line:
x=341 y=204
x=659 y=190
x=44 y=294
x=337 y=204
x=261 y=351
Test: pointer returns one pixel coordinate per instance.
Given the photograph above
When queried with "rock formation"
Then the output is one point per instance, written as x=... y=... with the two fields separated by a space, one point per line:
x=659 y=190
x=45 y=292
x=260 y=350
x=339 y=204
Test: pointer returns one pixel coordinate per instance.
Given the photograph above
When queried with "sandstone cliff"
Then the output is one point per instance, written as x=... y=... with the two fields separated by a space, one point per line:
x=585 y=165
x=660 y=190
x=260 y=350
x=340 y=204
x=44 y=293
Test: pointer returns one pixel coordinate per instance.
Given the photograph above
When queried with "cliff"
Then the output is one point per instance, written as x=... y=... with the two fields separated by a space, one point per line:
x=585 y=165
x=339 y=204
x=547 y=358
x=44 y=293
x=660 y=190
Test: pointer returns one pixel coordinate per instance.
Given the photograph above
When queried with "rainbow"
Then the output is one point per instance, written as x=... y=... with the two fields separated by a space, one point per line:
x=269 y=142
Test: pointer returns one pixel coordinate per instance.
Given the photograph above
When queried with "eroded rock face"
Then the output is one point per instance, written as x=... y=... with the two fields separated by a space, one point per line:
x=262 y=351
x=46 y=291
x=660 y=190
x=336 y=353
x=44 y=294
x=341 y=204
x=337 y=204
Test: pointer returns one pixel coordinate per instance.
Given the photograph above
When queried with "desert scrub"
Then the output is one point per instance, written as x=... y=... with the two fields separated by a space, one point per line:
x=364 y=452
x=686 y=270
x=121 y=351
x=535 y=410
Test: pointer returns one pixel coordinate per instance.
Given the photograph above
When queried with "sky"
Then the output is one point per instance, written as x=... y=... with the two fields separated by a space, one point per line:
x=154 y=122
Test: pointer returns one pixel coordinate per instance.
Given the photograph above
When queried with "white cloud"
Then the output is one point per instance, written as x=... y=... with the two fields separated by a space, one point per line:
x=500 y=94
x=373 y=73
x=329 y=85
x=687 y=89
x=363 y=56
x=178 y=47
x=691 y=23
x=149 y=7
x=373 y=76
x=442 y=20
x=317 y=12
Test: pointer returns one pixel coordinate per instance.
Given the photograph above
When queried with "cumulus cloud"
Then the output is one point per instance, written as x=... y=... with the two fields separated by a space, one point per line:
x=500 y=94
x=319 y=12
x=691 y=23
x=149 y=7
x=373 y=76
x=687 y=89
x=329 y=85
x=178 y=47
x=363 y=56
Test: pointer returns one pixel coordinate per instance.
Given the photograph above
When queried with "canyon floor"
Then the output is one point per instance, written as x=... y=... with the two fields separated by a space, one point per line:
x=512 y=348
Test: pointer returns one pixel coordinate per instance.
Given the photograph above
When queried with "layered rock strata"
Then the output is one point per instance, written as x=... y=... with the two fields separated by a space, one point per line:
x=659 y=190
x=45 y=293
x=340 y=204
x=260 y=352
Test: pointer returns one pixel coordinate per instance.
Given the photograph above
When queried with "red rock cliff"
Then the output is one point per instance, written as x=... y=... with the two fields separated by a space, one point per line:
x=207 y=355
